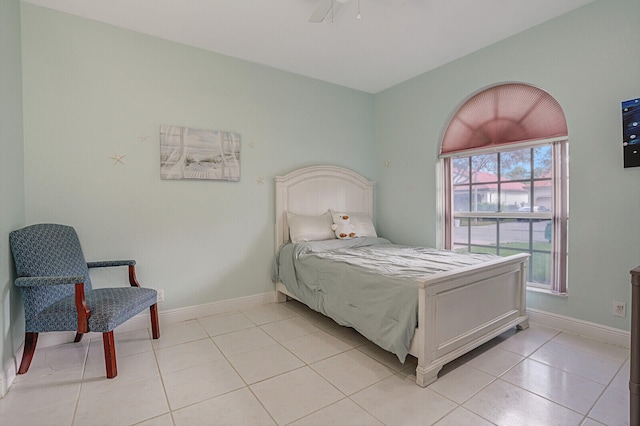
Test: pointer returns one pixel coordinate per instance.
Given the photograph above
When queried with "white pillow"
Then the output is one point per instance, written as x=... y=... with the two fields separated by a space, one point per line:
x=362 y=224
x=310 y=228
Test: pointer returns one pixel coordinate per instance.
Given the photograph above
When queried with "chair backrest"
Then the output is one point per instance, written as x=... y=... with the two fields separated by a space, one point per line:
x=47 y=250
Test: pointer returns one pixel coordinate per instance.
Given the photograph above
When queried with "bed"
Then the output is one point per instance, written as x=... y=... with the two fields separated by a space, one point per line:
x=457 y=309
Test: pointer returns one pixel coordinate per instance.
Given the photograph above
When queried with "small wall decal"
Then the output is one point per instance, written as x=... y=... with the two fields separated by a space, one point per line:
x=118 y=158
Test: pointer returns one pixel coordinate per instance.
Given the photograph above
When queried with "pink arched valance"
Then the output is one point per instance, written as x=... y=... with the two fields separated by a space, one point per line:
x=504 y=114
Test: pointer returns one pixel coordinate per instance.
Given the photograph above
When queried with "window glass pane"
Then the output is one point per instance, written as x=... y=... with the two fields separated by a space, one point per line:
x=514 y=234
x=515 y=165
x=548 y=232
x=542 y=196
x=515 y=175
x=542 y=162
x=460 y=170
x=525 y=199
x=541 y=235
x=484 y=231
x=513 y=195
x=540 y=268
x=484 y=168
x=484 y=198
x=461 y=231
x=461 y=199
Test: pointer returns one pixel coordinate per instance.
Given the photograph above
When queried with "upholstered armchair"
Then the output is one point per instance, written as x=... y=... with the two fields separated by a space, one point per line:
x=57 y=293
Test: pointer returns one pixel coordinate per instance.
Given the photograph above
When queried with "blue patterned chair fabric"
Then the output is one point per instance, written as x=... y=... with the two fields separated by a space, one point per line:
x=49 y=263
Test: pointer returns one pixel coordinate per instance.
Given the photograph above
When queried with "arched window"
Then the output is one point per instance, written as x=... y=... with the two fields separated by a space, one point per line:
x=505 y=157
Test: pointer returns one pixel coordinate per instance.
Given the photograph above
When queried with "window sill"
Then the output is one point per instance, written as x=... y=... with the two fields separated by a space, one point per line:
x=544 y=290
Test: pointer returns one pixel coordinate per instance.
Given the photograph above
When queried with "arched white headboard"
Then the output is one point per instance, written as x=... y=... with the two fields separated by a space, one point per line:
x=315 y=189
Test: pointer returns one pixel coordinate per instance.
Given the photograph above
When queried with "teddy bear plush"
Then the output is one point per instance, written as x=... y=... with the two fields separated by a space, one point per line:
x=342 y=226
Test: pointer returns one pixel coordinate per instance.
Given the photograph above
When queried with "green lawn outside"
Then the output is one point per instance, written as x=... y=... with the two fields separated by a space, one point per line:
x=539 y=263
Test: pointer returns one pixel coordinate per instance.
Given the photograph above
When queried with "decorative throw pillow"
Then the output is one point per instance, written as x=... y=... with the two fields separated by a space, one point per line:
x=310 y=228
x=342 y=226
x=362 y=224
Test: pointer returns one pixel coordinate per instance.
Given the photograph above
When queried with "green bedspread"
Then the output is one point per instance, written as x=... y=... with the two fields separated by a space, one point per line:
x=365 y=283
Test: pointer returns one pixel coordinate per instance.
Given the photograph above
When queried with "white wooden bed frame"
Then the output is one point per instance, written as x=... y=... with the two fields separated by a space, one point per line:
x=457 y=311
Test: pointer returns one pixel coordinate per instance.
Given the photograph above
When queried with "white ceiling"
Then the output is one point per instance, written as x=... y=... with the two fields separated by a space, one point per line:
x=393 y=42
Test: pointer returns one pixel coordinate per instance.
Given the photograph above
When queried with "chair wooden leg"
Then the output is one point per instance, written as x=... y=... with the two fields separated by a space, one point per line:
x=79 y=337
x=30 y=340
x=110 y=354
x=155 y=325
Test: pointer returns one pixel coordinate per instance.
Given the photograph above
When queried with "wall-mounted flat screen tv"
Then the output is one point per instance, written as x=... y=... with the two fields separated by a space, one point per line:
x=631 y=132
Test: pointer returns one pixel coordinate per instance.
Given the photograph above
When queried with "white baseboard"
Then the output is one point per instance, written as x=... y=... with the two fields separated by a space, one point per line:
x=601 y=333
x=140 y=322
x=8 y=375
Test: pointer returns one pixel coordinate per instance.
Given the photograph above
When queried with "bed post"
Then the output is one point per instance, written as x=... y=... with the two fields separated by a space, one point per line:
x=280 y=230
x=634 y=370
x=280 y=297
x=523 y=297
x=425 y=372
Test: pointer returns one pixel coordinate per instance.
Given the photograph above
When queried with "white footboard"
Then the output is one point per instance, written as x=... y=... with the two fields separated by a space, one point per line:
x=458 y=311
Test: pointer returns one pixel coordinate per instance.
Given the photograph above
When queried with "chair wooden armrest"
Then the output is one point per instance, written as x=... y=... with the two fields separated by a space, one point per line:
x=83 y=312
x=133 y=281
x=109 y=263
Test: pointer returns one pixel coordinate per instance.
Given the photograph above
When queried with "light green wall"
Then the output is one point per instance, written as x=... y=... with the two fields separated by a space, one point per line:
x=589 y=61
x=12 y=210
x=92 y=90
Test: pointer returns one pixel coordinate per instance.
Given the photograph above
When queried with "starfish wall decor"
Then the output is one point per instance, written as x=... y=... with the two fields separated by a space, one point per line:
x=118 y=158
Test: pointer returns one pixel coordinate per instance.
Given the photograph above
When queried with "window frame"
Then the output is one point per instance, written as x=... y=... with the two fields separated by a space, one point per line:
x=559 y=214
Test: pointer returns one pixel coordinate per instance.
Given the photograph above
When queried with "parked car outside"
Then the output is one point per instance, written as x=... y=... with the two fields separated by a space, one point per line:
x=528 y=209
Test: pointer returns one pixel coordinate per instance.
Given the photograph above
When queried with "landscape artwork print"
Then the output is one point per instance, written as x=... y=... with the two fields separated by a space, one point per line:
x=188 y=153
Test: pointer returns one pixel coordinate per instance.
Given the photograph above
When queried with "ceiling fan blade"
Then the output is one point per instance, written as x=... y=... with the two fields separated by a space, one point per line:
x=323 y=8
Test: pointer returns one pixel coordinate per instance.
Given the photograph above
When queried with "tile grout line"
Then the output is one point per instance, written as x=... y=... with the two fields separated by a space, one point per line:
x=164 y=388
x=84 y=369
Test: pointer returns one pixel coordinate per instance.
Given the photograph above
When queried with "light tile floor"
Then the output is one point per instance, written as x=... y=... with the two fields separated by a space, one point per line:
x=285 y=364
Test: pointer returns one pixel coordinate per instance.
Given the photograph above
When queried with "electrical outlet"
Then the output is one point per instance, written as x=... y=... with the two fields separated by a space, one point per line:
x=160 y=295
x=620 y=309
